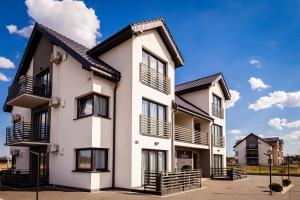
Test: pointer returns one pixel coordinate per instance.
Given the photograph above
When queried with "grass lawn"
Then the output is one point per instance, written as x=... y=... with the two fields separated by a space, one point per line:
x=276 y=170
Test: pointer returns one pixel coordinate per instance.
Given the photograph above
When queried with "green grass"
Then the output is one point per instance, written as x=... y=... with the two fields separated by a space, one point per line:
x=276 y=170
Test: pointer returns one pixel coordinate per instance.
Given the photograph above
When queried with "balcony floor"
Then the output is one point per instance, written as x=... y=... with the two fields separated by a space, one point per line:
x=28 y=101
x=27 y=144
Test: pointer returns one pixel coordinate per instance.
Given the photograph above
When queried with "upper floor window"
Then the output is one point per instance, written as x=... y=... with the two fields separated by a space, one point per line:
x=217 y=109
x=91 y=159
x=236 y=153
x=93 y=104
x=153 y=73
x=252 y=145
x=154 y=110
x=154 y=63
x=217 y=132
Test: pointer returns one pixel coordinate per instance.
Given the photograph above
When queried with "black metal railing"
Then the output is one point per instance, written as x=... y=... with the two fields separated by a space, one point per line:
x=252 y=147
x=217 y=111
x=26 y=132
x=22 y=178
x=228 y=173
x=154 y=79
x=167 y=182
x=29 y=85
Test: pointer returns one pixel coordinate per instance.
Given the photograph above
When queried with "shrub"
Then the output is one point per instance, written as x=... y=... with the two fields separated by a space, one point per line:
x=186 y=167
x=286 y=182
x=276 y=187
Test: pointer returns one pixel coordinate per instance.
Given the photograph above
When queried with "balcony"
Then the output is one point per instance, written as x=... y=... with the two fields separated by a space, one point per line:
x=252 y=147
x=25 y=134
x=218 y=141
x=154 y=127
x=217 y=111
x=187 y=135
x=29 y=92
x=154 y=79
x=252 y=155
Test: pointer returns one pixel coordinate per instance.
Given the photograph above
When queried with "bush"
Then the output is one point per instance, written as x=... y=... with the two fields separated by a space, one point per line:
x=286 y=182
x=186 y=168
x=276 y=187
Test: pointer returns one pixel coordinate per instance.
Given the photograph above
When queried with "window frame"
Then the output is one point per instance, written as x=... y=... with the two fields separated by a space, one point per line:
x=218 y=99
x=93 y=158
x=93 y=96
x=158 y=59
x=157 y=109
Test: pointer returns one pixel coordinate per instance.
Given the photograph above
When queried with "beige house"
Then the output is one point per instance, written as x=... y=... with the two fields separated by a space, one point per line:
x=101 y=118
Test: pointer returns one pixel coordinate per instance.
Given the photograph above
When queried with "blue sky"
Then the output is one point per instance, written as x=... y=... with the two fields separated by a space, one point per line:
x=213 y=36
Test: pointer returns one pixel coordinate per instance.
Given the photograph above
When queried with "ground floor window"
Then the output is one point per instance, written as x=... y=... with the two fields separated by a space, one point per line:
x=153 y=160
x=91 y=159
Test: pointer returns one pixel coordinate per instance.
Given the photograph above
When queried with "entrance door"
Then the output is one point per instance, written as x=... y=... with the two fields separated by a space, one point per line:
x=195 y=161
x=153 y=161
x=43 y=164
x=41 y=125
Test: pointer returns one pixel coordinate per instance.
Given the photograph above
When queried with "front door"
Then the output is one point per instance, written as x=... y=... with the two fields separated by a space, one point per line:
x=43 y=164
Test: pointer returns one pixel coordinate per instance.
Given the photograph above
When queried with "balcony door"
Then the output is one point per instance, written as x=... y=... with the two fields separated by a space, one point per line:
x=43 y=79
x=41 y=127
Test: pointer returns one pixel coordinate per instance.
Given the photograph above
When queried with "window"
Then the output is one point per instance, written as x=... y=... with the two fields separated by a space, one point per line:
x=217 y=101
x=91 y=159
x=154 y=110
x=153 y=161
x=217 y=133
x=93 y=104
x=154 y=63
x=236 y=153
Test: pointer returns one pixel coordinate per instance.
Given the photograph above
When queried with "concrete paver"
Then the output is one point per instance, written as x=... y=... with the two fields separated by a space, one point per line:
x=252 y=188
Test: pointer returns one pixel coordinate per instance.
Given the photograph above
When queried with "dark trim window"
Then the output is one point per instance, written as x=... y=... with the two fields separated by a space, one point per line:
x=217 y=130
x=217 y=101
x=92 y=159
x=154 y=63
x=93 y=104
x=154 y=110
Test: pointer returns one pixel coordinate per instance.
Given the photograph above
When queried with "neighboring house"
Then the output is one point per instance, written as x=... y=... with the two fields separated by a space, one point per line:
x=99 y=118
x=252 y=149
x=5 y=163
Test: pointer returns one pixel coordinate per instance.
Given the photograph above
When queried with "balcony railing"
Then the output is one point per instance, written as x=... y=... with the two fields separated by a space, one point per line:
x=168 y=182
x=187 y=135
x=30 y=86
x=154 y=127
x=251 y=155
x=154 y=79
x=252 y=147
x=217 y=111
x=26 y=132
x=218 y=141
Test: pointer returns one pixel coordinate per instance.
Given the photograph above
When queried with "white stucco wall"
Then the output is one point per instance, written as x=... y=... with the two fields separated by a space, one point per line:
x=263 y=148
x=241 y=149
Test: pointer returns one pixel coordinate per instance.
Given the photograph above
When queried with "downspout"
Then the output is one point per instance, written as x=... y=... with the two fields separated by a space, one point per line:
x=114 y=134
x=172 y=137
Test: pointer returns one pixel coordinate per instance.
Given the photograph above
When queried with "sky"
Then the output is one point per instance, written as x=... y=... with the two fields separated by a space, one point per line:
x=255 y=44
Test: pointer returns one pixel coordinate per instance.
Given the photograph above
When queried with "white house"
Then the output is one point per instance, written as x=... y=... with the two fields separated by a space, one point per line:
x=100 y=117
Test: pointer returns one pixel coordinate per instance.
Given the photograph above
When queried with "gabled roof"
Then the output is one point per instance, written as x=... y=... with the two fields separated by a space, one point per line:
x=185 y=105
x=240 y=141
x=274 y=139
x=73 y=48
x=203 y=83
x=136 y=29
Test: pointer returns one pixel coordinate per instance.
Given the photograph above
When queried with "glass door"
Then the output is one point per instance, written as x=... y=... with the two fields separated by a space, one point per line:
x=41 y=125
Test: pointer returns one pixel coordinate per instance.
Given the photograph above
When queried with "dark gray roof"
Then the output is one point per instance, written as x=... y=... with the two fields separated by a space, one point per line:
x=267 y=140
x=136 y=29
x=78 y=50
x=202 y=83
x=273 y=139
x=186 y=105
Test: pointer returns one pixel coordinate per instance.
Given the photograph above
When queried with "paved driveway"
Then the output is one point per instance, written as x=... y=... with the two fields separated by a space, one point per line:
x=253 y=188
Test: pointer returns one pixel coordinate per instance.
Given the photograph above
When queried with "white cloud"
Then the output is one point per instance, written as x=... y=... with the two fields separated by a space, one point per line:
x=280 y=123
x=255 y=62
x=295 y=135
x=235 y=132
x=69 y=17
x=235 y=96
x=6 y=63
x=280 y=99
x=257 y=83
x=24 y=32
x=3 y=77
